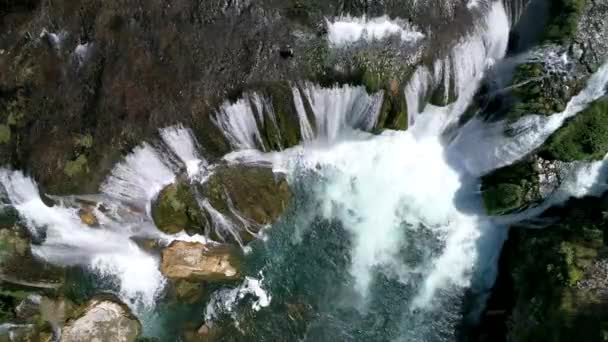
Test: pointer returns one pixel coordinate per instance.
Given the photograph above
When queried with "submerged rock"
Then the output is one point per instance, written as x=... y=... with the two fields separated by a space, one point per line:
x=103 y=320
x=195 y=261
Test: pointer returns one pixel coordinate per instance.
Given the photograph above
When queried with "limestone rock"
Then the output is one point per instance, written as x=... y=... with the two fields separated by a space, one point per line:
x=195 y=261
x=104 y=320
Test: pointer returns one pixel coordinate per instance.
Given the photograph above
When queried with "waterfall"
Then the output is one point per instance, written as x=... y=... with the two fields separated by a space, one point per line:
x=238 y=122
x=305 y=127
x=108 y=251
x=482 y=147
x=181 y=141
x=345 y=30
x=466 y=64
x=341 y=109
x=139 y=177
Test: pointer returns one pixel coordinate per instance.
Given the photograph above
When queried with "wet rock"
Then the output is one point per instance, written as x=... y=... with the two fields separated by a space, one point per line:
x=195 y=261
x=256 y=193
x=176 y=209
x=87 y=216
x=511 y=188
x=583 y=138
x=104 y=320
x=18 y=266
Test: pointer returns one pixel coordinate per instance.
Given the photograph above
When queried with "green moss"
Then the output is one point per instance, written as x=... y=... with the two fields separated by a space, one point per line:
x=84 y=141
x=585 y=137
x=510 y=188
x=5 y=134
x=76 y=167
x=176 y=209
x=564 y=18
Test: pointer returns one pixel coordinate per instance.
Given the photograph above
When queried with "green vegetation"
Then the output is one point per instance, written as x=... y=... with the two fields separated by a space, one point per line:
x=584 y=137
x=76 y=167
x=564 y=20
x=547 y=267
x=510 y=188
x=5 y=134
x=84 y=141
x=176 y=209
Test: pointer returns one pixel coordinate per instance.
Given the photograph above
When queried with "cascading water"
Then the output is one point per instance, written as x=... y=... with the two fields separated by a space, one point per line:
x=386 y=232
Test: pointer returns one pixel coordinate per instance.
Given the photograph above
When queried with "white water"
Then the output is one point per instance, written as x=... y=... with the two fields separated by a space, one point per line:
x=341 y=109
x=466 y=64
x=139 y=177
x=238 y=122
x=108 y=251
x=181 y=141
x=346 y=30
x=482 y=147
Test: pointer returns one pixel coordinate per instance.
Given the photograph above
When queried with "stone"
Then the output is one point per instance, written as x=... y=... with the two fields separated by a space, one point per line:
x=176 y=209
x=253 y=192
x=103 y=320
x=196 y=261
x=87 y=216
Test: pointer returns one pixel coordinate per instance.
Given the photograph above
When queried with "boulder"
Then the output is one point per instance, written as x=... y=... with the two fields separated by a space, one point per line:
x=195 y=261
x=176 y=209
x=103 y=320
x=256 y=193
x=511 y=188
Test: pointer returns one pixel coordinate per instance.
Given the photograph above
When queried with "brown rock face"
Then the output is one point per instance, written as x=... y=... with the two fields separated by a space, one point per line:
x=195 y=261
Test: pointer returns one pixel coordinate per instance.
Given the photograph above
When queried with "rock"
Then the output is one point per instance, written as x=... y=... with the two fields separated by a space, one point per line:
x=103 y=320
x=255 y=193
x=511 y=188
x=87 y=216
x=583 y=138
x=18 y=266
x=176 y=209
x=195 y=261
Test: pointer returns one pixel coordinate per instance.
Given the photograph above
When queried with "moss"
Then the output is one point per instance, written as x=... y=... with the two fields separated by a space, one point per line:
x=5 y=134
x=285 y=113
x=176 y=209
x=76 y=167
x=537 y=91
x=546 y=268
x=84 y=141
x=510 y=188
x=564 y=18
x=584 y=137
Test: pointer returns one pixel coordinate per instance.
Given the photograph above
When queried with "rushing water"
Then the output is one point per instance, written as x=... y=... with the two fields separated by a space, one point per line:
x=386 y=237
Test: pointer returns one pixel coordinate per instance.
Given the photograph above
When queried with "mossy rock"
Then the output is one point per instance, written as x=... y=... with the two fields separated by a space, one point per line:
x=564 y=20
x=18 y=265
x=510 y=188
x=176 y=209
x=584 y=137
x=556 y=284
x=255 y=192
x=538 y=91
x=393 y=113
